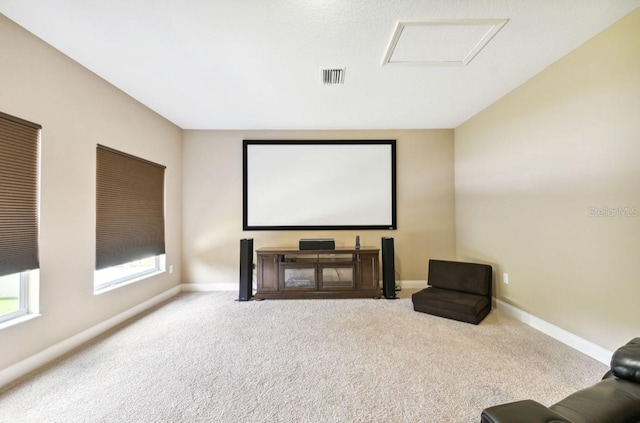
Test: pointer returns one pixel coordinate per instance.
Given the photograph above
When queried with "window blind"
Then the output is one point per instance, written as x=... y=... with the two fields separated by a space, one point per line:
x=19 y=157
x=129 y=208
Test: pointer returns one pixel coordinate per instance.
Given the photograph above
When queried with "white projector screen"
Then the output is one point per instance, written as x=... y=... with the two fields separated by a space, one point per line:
x=301 y=185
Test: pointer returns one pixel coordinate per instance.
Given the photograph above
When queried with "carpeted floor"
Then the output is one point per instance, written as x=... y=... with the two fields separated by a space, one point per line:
x=203 y=357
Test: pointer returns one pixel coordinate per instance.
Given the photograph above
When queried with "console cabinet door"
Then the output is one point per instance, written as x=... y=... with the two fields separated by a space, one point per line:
x=268 y=272
x=368 y=277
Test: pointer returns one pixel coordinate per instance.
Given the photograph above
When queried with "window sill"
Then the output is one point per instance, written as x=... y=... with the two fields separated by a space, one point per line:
x=127 y=282
x=19 y=320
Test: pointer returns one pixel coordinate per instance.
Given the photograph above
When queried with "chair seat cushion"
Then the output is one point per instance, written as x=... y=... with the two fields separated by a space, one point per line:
x=456 y=305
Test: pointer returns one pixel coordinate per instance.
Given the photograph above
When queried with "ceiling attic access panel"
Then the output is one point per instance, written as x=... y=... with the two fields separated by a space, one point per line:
x=440 y=42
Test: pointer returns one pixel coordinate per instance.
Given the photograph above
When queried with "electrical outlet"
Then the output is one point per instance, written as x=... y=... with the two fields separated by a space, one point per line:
x=505 y=278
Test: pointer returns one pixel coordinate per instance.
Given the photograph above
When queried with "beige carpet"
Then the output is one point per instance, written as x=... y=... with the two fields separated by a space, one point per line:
x=203 y=357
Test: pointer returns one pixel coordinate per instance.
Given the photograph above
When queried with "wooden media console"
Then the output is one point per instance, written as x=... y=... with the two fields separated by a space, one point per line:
x=338 y=273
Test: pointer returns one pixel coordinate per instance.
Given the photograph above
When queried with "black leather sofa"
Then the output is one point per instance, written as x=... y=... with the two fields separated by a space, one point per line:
x=615 y=399
x=457 y=290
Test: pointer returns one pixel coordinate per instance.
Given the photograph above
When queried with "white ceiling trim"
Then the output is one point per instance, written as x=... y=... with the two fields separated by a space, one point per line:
x=490 y=26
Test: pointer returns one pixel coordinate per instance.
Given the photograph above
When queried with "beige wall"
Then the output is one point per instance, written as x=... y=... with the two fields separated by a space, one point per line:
x=212 y=209
x=533 y=169
x=77 y=110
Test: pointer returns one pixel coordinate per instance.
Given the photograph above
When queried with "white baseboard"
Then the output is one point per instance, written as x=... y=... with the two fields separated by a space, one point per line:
x=233 y=286
x=412 y=284
x=24 y=367
x=574 y=341
x=208 y=287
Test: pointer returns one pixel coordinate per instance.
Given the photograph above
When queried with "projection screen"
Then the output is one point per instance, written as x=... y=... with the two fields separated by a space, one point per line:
x=319 y=185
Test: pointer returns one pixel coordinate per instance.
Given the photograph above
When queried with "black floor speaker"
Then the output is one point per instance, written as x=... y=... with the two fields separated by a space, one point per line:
x=388 y=269
x=246 y=269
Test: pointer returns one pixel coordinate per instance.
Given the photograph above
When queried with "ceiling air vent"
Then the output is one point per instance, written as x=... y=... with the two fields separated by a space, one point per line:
x=333 y=76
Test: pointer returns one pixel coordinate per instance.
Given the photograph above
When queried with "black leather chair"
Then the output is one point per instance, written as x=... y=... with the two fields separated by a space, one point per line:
x=615 y=399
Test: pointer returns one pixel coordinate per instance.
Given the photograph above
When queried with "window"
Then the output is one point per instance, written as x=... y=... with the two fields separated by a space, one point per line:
x=19 y=213
x=129 y=218
x=124 y=273
x=13 y=296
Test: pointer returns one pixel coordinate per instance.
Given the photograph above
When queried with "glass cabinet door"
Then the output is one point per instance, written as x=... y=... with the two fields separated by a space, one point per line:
x=299 y=277
x=337 y=277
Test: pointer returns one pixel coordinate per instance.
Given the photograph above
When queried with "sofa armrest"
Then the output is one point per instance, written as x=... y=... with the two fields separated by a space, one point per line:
x=526 y=411
x=625 y=362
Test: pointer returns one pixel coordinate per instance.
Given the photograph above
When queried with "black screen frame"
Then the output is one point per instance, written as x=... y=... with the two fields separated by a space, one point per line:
x=246 y=145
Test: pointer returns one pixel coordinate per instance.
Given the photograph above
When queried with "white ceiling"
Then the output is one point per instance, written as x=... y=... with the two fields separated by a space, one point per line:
x=256 y=64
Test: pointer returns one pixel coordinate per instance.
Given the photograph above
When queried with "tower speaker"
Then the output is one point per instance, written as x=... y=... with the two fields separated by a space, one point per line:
x=246 y=269
x=388 y=269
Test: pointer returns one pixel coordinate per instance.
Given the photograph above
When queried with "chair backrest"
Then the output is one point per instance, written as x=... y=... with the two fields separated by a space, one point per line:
x=473 y=278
